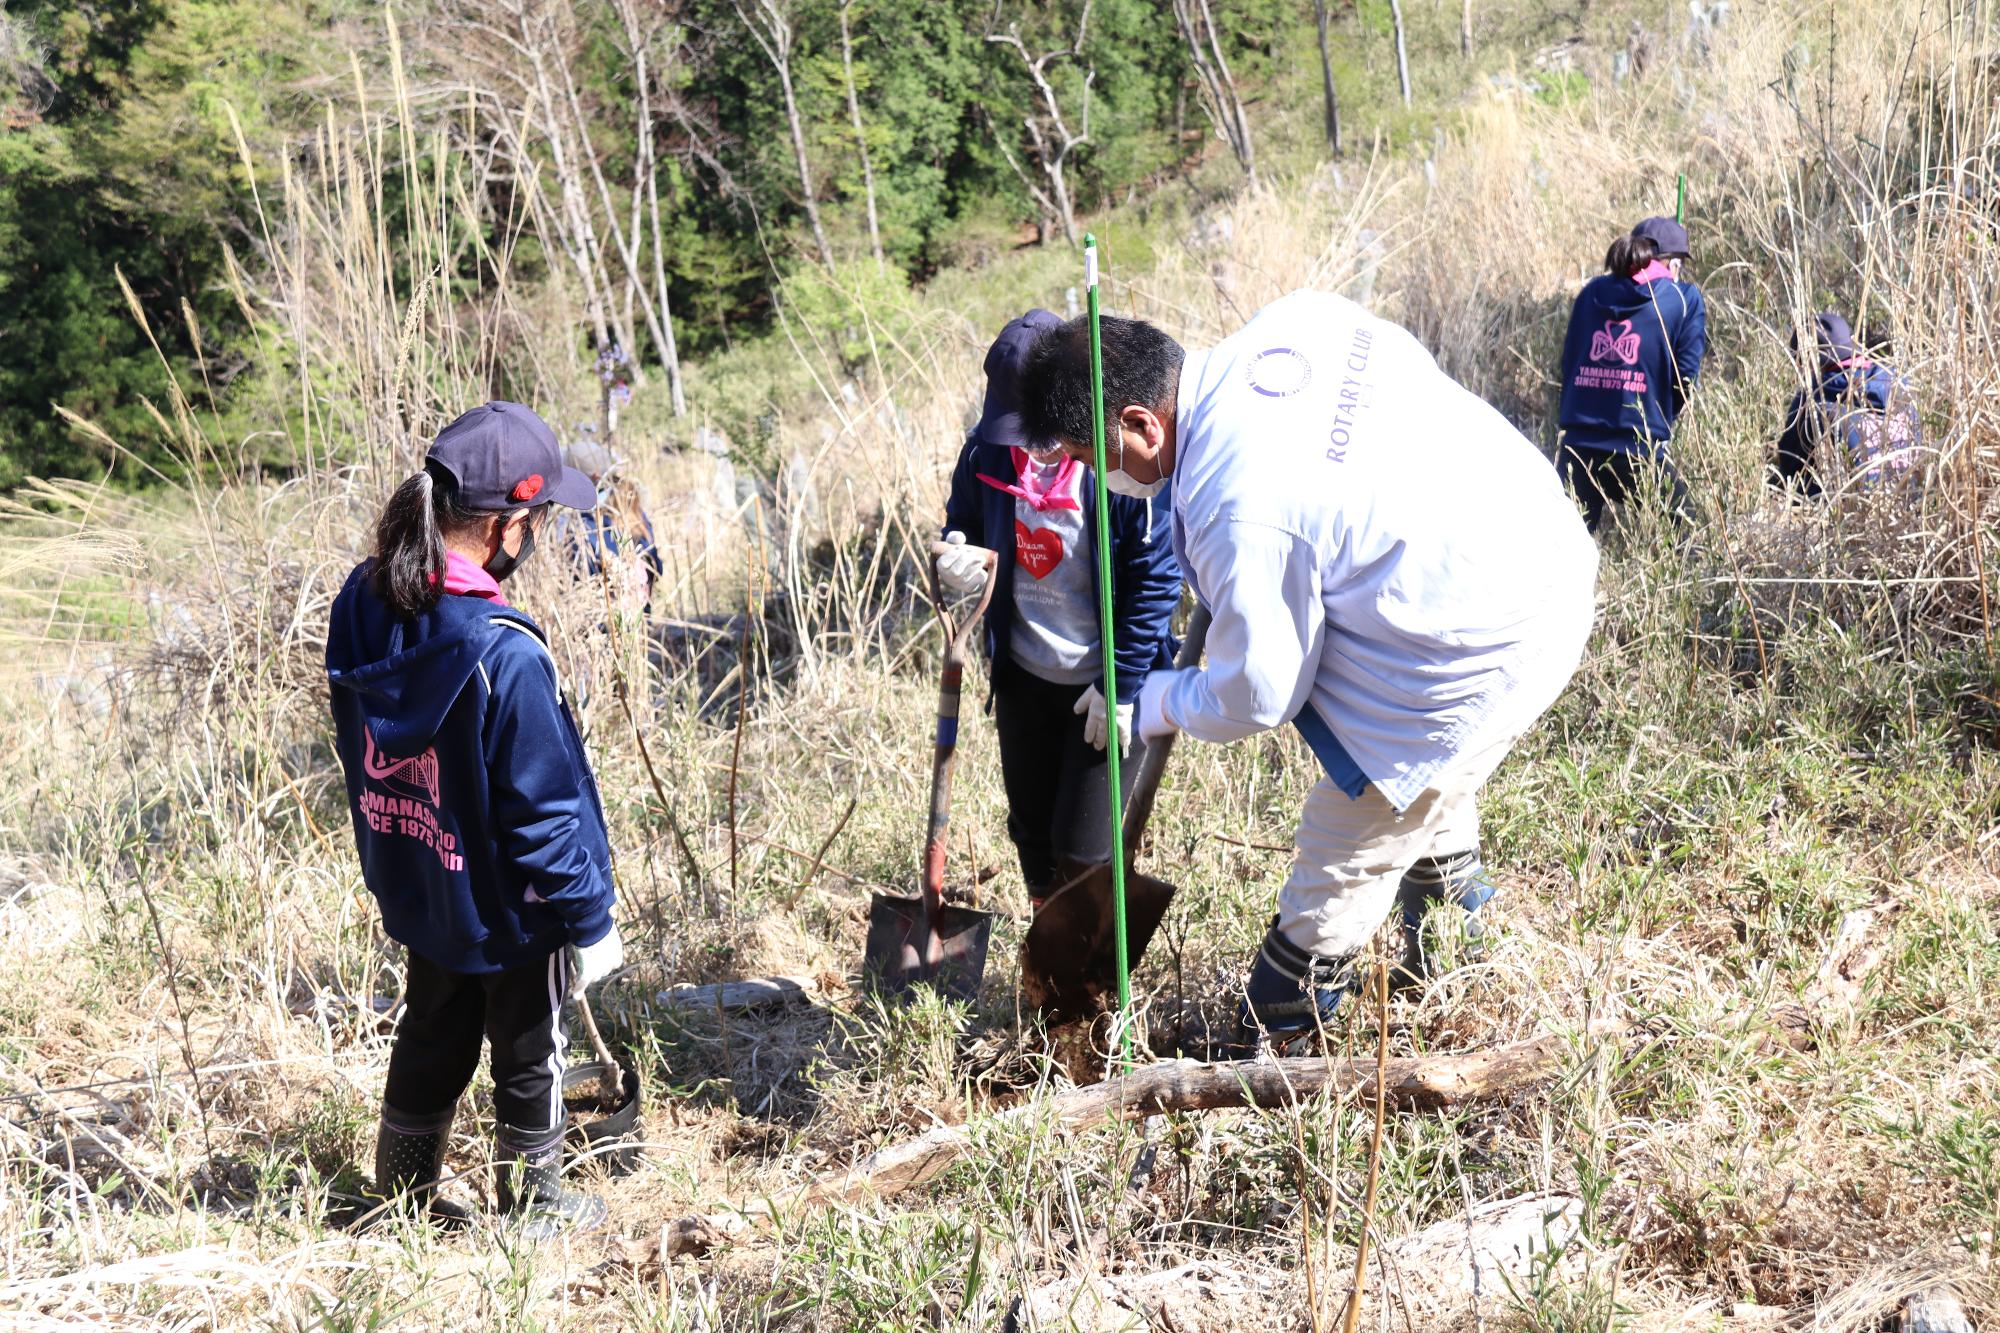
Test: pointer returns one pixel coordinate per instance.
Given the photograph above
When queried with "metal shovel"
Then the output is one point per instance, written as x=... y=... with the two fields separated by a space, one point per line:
x=1069 y=959
x=913 y=941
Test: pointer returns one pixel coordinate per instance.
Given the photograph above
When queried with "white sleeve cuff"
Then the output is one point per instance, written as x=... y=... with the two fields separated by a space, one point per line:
x=1153 y=720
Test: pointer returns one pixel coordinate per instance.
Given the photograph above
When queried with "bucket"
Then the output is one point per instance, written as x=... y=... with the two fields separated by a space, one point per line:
x=606 y=1135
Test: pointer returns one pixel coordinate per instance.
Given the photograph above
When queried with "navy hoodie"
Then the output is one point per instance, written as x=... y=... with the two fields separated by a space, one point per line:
x=478 y=823
x=1849 y=399
x=1145 y=577
x=1631 y=358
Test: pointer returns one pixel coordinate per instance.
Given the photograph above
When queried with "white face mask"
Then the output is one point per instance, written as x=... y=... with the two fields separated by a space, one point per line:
x=1121 y=483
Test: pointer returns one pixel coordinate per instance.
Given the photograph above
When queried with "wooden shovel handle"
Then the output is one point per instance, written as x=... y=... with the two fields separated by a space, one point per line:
x=957 y=638
x=958 y=632
x=1147 y=785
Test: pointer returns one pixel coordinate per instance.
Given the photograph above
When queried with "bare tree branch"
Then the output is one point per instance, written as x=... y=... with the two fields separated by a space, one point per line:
x=1048 y=131
x=1220 y=99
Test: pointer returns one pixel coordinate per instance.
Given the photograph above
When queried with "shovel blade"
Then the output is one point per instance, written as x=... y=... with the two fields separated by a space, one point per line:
x=1069 y=961
x=911 y=946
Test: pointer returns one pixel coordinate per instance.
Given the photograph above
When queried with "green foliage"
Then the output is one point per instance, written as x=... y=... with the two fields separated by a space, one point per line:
x=149 y=137
x=122 y=159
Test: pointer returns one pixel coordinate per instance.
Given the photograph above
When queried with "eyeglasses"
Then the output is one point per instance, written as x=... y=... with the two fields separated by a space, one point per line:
x=1045 y=457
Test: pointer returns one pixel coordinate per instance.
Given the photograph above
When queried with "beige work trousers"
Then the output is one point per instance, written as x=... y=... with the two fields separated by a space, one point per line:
x=1354 y=851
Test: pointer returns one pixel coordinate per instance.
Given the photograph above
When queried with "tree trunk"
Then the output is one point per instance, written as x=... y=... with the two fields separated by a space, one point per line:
x=669 y=351
x=861 y=142
x=1325 y=18
x=1223 y=104
x=649 y=164
x=1465 y=30
x=777 y=47
x=810 y=199
x=1402 y=49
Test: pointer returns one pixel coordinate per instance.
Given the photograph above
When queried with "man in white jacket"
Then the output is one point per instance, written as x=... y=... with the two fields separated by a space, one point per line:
x=1391 y=567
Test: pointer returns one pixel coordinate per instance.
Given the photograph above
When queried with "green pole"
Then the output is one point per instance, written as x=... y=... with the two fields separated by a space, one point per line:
x=1111 y=755
x=1681 y=200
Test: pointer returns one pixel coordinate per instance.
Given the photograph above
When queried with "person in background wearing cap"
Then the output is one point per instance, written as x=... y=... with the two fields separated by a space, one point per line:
x=1636 y=339
x=1042 y=628
x=617 y=533
x=1857 y=419
x=478 y=822
x=1392 y=569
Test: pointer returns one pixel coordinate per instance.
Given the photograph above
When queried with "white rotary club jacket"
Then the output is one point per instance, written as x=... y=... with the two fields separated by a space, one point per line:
x=1389 y=563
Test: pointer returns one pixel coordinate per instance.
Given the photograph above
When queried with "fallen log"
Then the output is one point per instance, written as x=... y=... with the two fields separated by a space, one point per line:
x=1415 y=1083
x=1421 y=1082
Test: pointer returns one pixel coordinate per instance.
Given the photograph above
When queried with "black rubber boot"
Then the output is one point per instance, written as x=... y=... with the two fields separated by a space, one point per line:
x=409 y=1153
x=1290 y=994
x=1459 y=879
x=528 y=1184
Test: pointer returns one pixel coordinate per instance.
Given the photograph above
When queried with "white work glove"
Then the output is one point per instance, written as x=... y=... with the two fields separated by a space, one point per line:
x=595 y=962
x=1090 y=704
x=1153 y=720
x=963 y=568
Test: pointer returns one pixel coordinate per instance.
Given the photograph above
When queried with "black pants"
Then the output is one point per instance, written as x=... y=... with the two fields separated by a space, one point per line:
x=1597 y=477
x=446 y=1013
x=1057 y=802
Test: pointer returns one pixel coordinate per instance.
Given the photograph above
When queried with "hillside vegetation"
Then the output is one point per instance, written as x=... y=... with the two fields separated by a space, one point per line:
x=1747 y=862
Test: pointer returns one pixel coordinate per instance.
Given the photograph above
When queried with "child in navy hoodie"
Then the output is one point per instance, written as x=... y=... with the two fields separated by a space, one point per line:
x=1042 y=627
x=1856 y=423
x=1636 y=339
x=475 y=813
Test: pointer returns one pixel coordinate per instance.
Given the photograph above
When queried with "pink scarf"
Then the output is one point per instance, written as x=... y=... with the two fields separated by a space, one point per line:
x=1652 y=273
x=1056 y=495
x=466 y=579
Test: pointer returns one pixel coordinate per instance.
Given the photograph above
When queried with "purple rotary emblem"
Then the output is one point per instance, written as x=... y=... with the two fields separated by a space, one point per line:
x=1278 y=372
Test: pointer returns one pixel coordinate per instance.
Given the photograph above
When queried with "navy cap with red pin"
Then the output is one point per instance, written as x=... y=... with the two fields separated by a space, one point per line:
x=1669 y=237
x=1000 y=420
x=505 y=457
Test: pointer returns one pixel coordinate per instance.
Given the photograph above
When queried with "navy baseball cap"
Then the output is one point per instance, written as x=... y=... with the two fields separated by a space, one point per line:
x=1669 y=237
x=503 y=457
x=1000 y=419
x=1835 y=337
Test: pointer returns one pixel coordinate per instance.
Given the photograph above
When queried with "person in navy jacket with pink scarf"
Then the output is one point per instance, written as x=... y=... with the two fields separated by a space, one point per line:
x=1856 y=425
x=1042 y=627
x=475 y=814
x=1636 y=340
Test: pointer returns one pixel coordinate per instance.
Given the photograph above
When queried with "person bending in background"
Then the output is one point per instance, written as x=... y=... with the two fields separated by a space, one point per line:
x=1391 y=567
x=616 y=534
x=475 y=813
x=1633 y=352
x=1855 y=423
x=1042 y=627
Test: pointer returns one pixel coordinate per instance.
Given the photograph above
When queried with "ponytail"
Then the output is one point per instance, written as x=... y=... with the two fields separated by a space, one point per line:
x=1629 y=254
x=409 y=541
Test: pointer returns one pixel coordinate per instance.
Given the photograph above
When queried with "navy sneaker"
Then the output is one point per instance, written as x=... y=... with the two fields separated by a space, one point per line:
x=1460 y=879
x=1290 y=991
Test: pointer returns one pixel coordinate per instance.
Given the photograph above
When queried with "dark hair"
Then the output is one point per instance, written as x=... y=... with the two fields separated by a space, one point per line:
x=1141 y=368
x=1629 y=254
x=409 y=540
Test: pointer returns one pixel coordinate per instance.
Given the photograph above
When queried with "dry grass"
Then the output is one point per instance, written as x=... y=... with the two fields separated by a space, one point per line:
x=192 y=1064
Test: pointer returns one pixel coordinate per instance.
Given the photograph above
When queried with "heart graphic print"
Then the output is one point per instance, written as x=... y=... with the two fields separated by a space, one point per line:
x=1037 y=550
